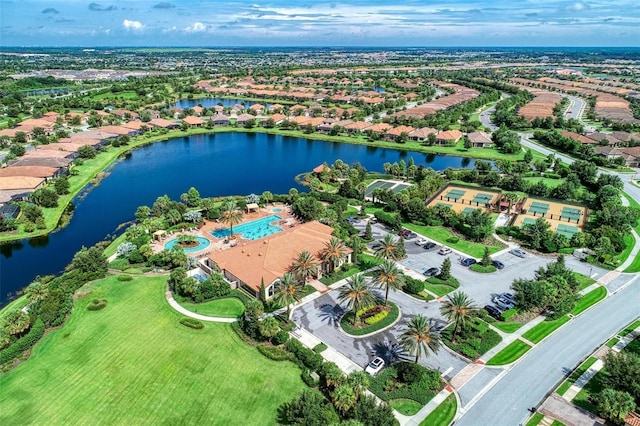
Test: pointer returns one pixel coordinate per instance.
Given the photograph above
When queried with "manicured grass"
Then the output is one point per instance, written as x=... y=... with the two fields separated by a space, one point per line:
x=591 y=388
x=229 y=307
x=406 y=407
x=443 y=414
x=509 y=354
x=574 y=376
x=629 y=243
x=557 y=423
x=550 y=183
x=583 y=280
x=612 y=342
x=630 y=328
x=134 y=363
x=472 y=340
x=507 y=327
x=635 y=266
x=535 y=419
x=440 y=287
x=441 y=235
x=476 y=267
x=589 y=300
x=14 y=305
x=542 y=330
x=329 y=279
x=113 y=247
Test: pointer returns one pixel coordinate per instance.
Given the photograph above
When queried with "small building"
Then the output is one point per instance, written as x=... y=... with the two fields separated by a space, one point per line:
x=164 y=124
x=220 y=120
x=422 y=134
x=449 y=137
x=480 y=140
x=193 y=121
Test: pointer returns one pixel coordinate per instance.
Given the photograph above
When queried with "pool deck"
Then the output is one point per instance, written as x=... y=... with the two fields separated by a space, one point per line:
x=219 y=243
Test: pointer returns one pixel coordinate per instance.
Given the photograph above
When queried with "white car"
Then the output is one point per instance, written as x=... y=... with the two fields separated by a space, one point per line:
x=421 y=241
x=374 y=366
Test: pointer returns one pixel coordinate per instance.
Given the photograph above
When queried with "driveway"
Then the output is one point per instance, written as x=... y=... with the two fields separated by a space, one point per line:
x=321 y=318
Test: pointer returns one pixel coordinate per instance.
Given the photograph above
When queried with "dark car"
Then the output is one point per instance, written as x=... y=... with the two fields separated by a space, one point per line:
x=493 y=311
x=468 y=261
x=410 y=235
x=508 y=296
x=431 y=272
x=429 y=245
x=497 y=264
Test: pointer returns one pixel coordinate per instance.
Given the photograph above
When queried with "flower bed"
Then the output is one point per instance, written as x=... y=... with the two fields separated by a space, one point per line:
x=346 y=322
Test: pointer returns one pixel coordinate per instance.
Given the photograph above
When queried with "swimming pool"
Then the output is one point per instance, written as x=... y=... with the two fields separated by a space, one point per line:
x=202 y=244
x=253 y=230
x=277 y=210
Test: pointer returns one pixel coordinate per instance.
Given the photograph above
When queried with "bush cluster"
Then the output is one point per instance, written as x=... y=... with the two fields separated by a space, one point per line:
x=319 y=348
x=97 y=305
x=305 y=356
x=125 y=278
x=406 y=380
x=26 y=342
x=376 y=318
x=412 y=285
x=275 y=353
x=192 y=323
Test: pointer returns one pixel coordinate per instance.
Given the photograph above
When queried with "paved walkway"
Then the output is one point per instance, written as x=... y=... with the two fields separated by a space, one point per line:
x=188 y=313
x=634 y=252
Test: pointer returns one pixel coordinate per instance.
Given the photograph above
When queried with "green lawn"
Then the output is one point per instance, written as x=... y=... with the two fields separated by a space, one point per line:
x=589 y=300
x=509 y=354
x=443 y=414
x=592 y=387
x=507 y=327
x=542 y=330
x=134 y=363
x=583 y=280
x=535 y=419
x=439 y=287
x=406 y=407
x=574 y=376
x=229 y=307
x=635 y=266
x=476 y=267
x=441 y=235
x=113 y=247
x=550 y=183
x=630 y=328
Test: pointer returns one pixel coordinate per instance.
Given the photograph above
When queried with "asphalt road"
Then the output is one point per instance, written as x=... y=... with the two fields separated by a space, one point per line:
x=526 y=384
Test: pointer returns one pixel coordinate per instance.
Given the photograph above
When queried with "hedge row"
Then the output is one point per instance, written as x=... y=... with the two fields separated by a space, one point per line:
x=192 y=323
x=305 y=356
x=389 y=386
x=275 y=353
x=97 y=304
x=26 y=342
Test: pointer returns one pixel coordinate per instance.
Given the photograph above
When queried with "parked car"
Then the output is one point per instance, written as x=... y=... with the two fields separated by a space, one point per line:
x=518 y=252
x=431 y=272
x=429 y=245
x=353 y=220
x=409 y=236
x=376 y=245
x=509 y=297
x=497 y=264
x=373 y=220
x=493 y=312
x=404 y=232
x=375 y=366
x=444 y=251
x=502 y=303
x=421 y=241
x=468 y=261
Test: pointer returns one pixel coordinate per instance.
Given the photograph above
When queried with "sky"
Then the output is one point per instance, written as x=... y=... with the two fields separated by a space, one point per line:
x=215 y=23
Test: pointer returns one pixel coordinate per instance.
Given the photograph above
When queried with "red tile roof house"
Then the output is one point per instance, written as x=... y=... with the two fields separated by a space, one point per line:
x=579 y=138
x=450 y=137
x=357 y=127
x=220 y=120
x=259 y=109
x=321 y=168
x=243 y=118
x=119 y=130
x=396 y=132
x=193 y=121
x=480 y=140
x=165 y=124
x=604 y=139
x=266 y=260
x=18 y=187
x=422 y=134
x=32 y=171
x=198 y=110
x=277 y=118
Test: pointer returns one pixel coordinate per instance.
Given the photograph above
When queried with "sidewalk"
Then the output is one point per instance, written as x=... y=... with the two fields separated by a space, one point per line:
x=187 y=313
x=508 y=338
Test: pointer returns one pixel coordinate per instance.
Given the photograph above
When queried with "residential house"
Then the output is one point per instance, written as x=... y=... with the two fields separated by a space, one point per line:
x=397 y=132
x=244 y=118
x=579 y=138
x=357 y=127
x=164 y=124
x=193 y=121
x=422 y=134
x=16 y=188
x=31 y=171
x=480 y=140
x=449 y=137
x=220 y=120
x=604 y=139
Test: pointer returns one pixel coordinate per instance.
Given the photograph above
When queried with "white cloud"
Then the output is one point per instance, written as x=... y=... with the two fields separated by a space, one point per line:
x=197 y=27
x=578 y=7
x=132 y=25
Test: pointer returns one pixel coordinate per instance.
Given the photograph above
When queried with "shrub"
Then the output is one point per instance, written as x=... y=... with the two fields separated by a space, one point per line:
x=280 y=338
x=319 y=348
x=308 y=380
x=453 y=240
x=275 y=353
x=97 y=305
x=119 y=264
x=376 y=318
x=412 y=285
x=26 y=342
x=389 y=384
x=192 y=323
x=125 y=278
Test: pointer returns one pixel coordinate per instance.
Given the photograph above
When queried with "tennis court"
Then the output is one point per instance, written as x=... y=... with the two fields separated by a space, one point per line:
x=482 y=198
x=567 y=230
x=399 y=187
x=537 y=208
x=527 y=221
x=571 y=214
x=467 y=210
x=382 y=184
x=454 y=194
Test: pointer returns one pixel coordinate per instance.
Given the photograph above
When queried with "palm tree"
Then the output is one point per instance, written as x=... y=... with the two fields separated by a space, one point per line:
x=16 y=322
x=387 y=276
x=344 y=398
x=388 y=248
x=458 y=308
x=231 y=215
x=305 y=265
x=287 y=292
x=333 y=251
x=37 y=291
x=419 y=338
x=357 y=295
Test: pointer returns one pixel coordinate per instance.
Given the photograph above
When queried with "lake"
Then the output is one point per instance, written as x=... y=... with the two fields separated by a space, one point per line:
x=216 y=164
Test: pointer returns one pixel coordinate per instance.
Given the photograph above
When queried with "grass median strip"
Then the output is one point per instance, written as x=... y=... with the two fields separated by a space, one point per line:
x=535 y=419
x=444 y=236
x=507 y=327
x=542 y=330
x=575 y=375
x=509 y=354
x=443 y=414
x=589 y=300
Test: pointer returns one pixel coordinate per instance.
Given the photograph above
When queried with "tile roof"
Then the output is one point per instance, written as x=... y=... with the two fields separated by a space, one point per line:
x=30 y=171
x=20 y=182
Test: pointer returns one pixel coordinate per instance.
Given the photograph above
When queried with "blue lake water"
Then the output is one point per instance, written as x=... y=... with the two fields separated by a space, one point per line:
x=216 y=164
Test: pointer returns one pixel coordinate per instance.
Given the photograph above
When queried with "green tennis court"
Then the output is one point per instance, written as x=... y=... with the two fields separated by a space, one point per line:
x=455 y=194
x=527 y=221
x=467 y=210
x=378 y=184
x=444 y=205
x=567 y=230
x=400 y=187
x=571 y=213
x=482 y=198
x=538 y=208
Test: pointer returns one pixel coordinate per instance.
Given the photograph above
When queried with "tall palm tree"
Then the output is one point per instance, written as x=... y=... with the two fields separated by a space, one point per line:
x=287 y=292
x=344 y=397
x=387 y=276
x=356 y=294
x=420 y=338
x=333 y=251
x=231 y=214
x=305 y=265
x=16 y=322
x=388 y=248
x=458 y=308
x=37 y=291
